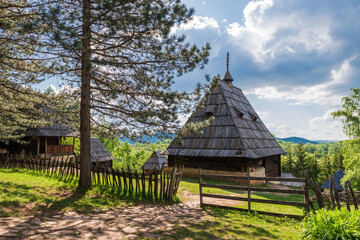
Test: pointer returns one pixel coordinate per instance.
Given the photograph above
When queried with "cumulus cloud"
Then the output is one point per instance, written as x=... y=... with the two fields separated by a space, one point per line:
x=321 y=93
x=269 y=30
x=198 y=23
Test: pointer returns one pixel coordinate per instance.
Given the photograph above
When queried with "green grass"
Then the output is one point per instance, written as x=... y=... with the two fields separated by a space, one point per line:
x=25 y=192
x=223 y=224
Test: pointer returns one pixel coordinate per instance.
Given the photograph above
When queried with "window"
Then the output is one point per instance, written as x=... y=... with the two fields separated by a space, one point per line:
x=240 y=114
x=253 y=117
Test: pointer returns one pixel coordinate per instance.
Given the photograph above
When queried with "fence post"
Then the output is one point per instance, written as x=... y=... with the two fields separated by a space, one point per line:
x=353 y=195
x=347 y=196
x=336 y=192
x=249 y=190
x=200 y=188
x=306 y=195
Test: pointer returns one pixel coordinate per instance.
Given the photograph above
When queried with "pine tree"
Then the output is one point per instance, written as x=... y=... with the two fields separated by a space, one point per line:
x=288 y=162
x=337 y=160
x=301 y=163
x=123 y=58
x=326 y=167
x=20 y=66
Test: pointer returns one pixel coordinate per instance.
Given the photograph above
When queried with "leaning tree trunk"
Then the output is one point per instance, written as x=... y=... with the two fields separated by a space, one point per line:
x=85 y=162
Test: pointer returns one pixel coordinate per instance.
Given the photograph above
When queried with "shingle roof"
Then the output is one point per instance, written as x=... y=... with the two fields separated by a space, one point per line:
x=54 y=130
x=155 y=161
x=236 y=131
x=338 y=176
x=99 y=152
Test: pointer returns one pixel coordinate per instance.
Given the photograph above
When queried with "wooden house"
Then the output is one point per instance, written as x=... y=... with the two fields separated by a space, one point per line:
x=99 y=153
x=155 y=161
x=338 y=176
x=41 y=141
x=235 y=141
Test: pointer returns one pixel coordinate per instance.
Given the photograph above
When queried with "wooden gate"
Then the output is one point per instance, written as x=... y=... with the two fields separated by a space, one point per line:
x=249 y=189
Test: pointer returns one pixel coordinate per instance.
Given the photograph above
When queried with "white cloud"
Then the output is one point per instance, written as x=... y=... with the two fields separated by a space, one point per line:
x=323 y=93
x=198 y=23
x=267 y=32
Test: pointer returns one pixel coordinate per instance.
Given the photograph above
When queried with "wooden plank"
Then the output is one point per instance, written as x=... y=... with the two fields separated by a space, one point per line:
x=278 y=202
x=255 y=178
x=253 y=211
x=336 y=192
x=254 y=189
x=249 y=190
x=306 y=195
x=353 y=195
x=200 y=187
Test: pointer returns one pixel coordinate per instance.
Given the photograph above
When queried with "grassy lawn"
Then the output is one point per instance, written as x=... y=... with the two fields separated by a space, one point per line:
x=224 y=224
x=27 y=193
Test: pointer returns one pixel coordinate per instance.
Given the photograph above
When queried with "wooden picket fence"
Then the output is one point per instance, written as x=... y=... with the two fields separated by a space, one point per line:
x=157 y=184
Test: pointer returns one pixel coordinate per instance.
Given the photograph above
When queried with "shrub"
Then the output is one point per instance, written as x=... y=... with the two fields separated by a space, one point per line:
x=332 y=224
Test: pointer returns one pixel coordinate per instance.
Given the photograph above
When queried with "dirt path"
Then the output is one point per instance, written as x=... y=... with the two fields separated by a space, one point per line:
x=125 y=222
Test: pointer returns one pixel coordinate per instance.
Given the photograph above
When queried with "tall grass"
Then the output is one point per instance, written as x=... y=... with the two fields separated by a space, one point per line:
x=332 y=224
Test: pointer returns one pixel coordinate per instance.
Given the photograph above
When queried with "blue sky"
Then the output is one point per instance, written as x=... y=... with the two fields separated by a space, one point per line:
x=294 y=60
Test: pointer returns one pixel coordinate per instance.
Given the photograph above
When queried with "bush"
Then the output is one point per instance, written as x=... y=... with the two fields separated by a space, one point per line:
x=332 y=224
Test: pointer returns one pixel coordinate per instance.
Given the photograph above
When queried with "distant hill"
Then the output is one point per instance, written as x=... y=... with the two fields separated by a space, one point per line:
x=299 y=139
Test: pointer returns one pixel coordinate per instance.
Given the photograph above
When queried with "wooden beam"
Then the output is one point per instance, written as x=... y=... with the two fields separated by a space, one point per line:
x=45 y=146
x=38 y=146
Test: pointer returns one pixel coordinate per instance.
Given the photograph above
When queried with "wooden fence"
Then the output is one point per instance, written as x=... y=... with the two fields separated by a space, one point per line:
x=158 y=184
x=249 y=189
x=336 y=198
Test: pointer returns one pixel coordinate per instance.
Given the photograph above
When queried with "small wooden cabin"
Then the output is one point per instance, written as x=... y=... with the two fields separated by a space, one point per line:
x=235 y=141
x=155 y=161
x=338 y=176
x=41 y=141
x=99 y=153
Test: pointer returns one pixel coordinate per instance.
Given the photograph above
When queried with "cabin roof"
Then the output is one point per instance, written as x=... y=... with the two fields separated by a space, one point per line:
x=338 y=176
x=155 y=161
x=55 y=130
x=99 y=152
x=236 y=131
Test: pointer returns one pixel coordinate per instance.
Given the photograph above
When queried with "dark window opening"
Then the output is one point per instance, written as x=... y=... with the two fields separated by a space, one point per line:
x=253 y=117
x=240 y=114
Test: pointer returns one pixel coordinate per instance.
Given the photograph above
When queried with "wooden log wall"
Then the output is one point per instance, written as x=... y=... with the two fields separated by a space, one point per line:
x=156 y=184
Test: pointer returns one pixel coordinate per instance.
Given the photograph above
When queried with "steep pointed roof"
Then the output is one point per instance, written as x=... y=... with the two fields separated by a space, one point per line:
x=236 y=131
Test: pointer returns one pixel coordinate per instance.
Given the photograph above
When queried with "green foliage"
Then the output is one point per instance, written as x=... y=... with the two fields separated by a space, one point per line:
x=351 y=151
x=320 y=160
x=132 y=156
x=350 y=114
x=332 y=224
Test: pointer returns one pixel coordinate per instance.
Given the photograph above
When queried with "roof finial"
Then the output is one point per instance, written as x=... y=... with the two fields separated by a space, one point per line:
x=227 y=78
x=227 y=62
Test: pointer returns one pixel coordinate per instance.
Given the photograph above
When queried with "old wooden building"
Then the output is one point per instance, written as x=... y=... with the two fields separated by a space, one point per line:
x=99 y=153
x=235 y=141
x=44 y=141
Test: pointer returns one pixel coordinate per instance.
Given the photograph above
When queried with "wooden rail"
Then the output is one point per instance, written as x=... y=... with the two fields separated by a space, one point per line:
x=249 y=189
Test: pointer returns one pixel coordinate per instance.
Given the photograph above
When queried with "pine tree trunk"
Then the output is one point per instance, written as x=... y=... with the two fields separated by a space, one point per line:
x=85 y=158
